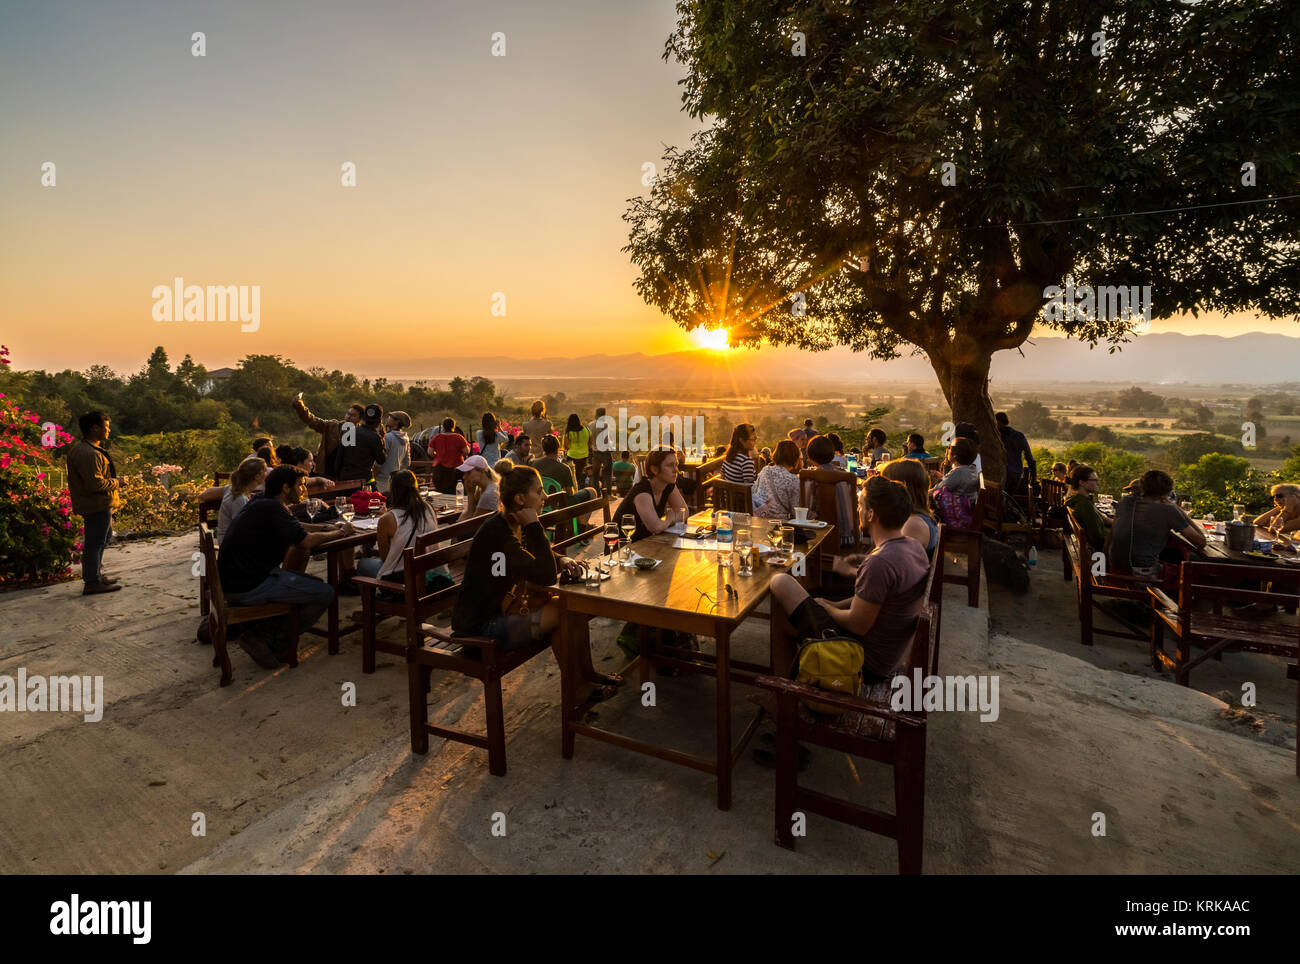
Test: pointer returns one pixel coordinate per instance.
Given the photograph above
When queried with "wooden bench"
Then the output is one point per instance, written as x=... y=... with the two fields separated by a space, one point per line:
x=1051 y=513
x=868 y=728
x=221 y=616
x=1089 y=586
x=968 y=543
x=1208 y=583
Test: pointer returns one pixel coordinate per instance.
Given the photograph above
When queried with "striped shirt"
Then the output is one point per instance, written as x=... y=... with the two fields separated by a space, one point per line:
x=739 y=469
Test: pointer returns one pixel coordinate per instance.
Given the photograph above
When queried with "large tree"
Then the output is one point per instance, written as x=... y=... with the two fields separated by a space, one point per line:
x=910 y=175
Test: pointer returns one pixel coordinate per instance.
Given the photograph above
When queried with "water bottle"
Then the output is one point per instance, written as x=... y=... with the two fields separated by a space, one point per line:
x=1033 y=555
x=723 y=523
x=460 y=495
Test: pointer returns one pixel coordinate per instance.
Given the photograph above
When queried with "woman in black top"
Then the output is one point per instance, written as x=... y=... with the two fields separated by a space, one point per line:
x=653 y=496
x=508 y=550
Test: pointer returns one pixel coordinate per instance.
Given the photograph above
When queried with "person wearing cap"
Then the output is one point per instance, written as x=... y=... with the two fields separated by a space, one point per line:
x=482 y=493
x=398 y=447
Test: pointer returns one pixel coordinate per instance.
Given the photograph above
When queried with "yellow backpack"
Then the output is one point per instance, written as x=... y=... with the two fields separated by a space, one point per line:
x=833 y=664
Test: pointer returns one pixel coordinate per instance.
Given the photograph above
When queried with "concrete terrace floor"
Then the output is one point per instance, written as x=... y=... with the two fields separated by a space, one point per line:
x=291 y=781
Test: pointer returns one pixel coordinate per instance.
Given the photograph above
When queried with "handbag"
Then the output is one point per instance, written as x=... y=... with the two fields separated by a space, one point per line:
x=522 y=598
x=833 y=664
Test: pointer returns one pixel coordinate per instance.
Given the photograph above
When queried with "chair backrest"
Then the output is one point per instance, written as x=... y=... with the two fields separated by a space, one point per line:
x=221 y=478
x=922 y=653
x=209 y=512
x=994 y=508
x=825 y=500
x=1053 y=492
x=457 y=531
x=208 y=551
x=732 y=496
x=1217 y=582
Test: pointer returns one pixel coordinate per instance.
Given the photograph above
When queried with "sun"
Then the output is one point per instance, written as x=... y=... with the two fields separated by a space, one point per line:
x=715 y=340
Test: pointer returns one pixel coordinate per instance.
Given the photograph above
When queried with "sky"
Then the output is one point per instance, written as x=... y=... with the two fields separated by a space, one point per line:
x=475 y=174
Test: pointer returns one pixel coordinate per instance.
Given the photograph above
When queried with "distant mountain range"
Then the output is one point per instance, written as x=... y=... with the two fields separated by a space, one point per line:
x=1155 y=359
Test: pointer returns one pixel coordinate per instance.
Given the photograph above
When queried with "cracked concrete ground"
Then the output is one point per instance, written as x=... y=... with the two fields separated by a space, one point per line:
x=289 y=780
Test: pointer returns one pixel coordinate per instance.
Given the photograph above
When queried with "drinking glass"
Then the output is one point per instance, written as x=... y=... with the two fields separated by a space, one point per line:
x=787 y=536
x=628 y=525
x=347 y=512
x=774 y=537
x=1237 y=512
x=611 y=538
x=744 y=544
x=591 y=576
x=310 y=506
x=340 y=503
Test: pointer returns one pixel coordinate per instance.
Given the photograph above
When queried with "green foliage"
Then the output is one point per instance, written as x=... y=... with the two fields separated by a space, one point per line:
x=1033 y=418
x=1216 y=482
x=1290 y=471
x=1138 y=400
x=1115 y=469
x=1188 y=449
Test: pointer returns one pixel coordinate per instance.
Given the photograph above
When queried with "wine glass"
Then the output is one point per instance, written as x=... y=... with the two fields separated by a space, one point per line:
x=744 y=547
x=628 y=525
x=311 y=507
x=347 y=512
x=340 y=504
x=611 y=538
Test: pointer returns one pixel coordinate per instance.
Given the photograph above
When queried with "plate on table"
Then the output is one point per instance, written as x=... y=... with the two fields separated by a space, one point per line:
x=1256 y=554
x=810 y=523
x=366 y=522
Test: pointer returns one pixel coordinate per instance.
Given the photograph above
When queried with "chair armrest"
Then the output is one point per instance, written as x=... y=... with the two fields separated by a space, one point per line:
x=356 y=540
x=847 y=704
x=373 y=583
x=1159 y=597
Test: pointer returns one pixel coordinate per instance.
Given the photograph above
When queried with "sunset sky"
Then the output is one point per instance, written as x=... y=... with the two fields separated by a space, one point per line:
x=475 y=174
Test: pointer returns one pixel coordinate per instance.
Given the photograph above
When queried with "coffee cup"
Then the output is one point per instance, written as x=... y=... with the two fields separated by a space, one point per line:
x=801 y=513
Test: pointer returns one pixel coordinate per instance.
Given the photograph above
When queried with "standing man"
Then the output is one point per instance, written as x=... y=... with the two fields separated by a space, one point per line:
x=92 y=483
x=1016 y=445
x=448 y=450
x=331 y=433
x=602 y=451
x=366 y=451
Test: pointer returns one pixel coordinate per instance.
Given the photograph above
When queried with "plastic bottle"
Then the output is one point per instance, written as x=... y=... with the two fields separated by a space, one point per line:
x=723 y=536
x=1033 y=555
x=460 y=495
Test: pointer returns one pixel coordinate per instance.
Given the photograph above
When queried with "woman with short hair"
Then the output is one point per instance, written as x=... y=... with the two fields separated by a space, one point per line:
x=776 y=490
x=651 y=498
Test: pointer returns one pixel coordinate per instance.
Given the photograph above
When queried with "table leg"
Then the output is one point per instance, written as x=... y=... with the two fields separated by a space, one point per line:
x=723 y=637
x=333 y=623
x=573 y=630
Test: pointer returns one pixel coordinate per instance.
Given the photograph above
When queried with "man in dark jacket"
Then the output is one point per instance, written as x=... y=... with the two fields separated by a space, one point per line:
x=92 y=483
x=331 y=432
x=1017 y=447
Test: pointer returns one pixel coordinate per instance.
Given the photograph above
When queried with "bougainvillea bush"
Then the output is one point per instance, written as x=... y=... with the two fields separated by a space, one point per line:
x=40 y=538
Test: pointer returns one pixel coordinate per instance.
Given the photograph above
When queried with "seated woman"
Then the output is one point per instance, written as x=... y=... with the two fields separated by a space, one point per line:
x=920 y=526
x=1060 y=473
x=821 y=453
x=1142 y=526
x=246 y=481
x=408 y=517
x=840 y=458
x=1084 y=483
x=777 y=491
x=300 y=458
x=1285 y=514
x=874 y=451
x=482 y=492
x=738 y=460
x=956 y=494
x=515 y=535
x=651 y=498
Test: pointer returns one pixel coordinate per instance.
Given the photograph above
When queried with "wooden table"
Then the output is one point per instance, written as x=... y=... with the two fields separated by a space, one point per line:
x=667 y=597
x=700 y=472
x=1216 y=550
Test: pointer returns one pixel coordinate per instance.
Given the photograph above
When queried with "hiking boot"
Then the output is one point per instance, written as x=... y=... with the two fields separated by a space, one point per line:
x=257 y=648
x=99 y=587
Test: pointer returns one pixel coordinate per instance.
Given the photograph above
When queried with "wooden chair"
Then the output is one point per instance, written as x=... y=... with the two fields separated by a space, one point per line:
x=707 y=474
x=442 y=651
x=565 y=517
x=868 y=728
x=968 y=543
x=1090 y=586
x=1202 y=584
x=1293 y=672
x=732 y=496
x=221 y=478
x=375 y=608
x=1050 y=507
x=824 y=503
x=221 y=616
x=995 y=516
x=208 y=514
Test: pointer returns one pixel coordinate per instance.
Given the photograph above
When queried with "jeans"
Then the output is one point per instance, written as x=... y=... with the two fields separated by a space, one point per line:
x=311 y=595
x=99 y=530
x=602 y=468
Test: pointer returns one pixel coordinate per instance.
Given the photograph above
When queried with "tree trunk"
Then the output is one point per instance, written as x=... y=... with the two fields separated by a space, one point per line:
x=964 y=378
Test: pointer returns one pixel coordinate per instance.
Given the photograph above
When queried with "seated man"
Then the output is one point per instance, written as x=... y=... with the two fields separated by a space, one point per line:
x=1142 y=525
x=521 y=452
x=549 y=466
x=262 y=548
x=916 y=447
x=888 y=594
x=624 y=473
